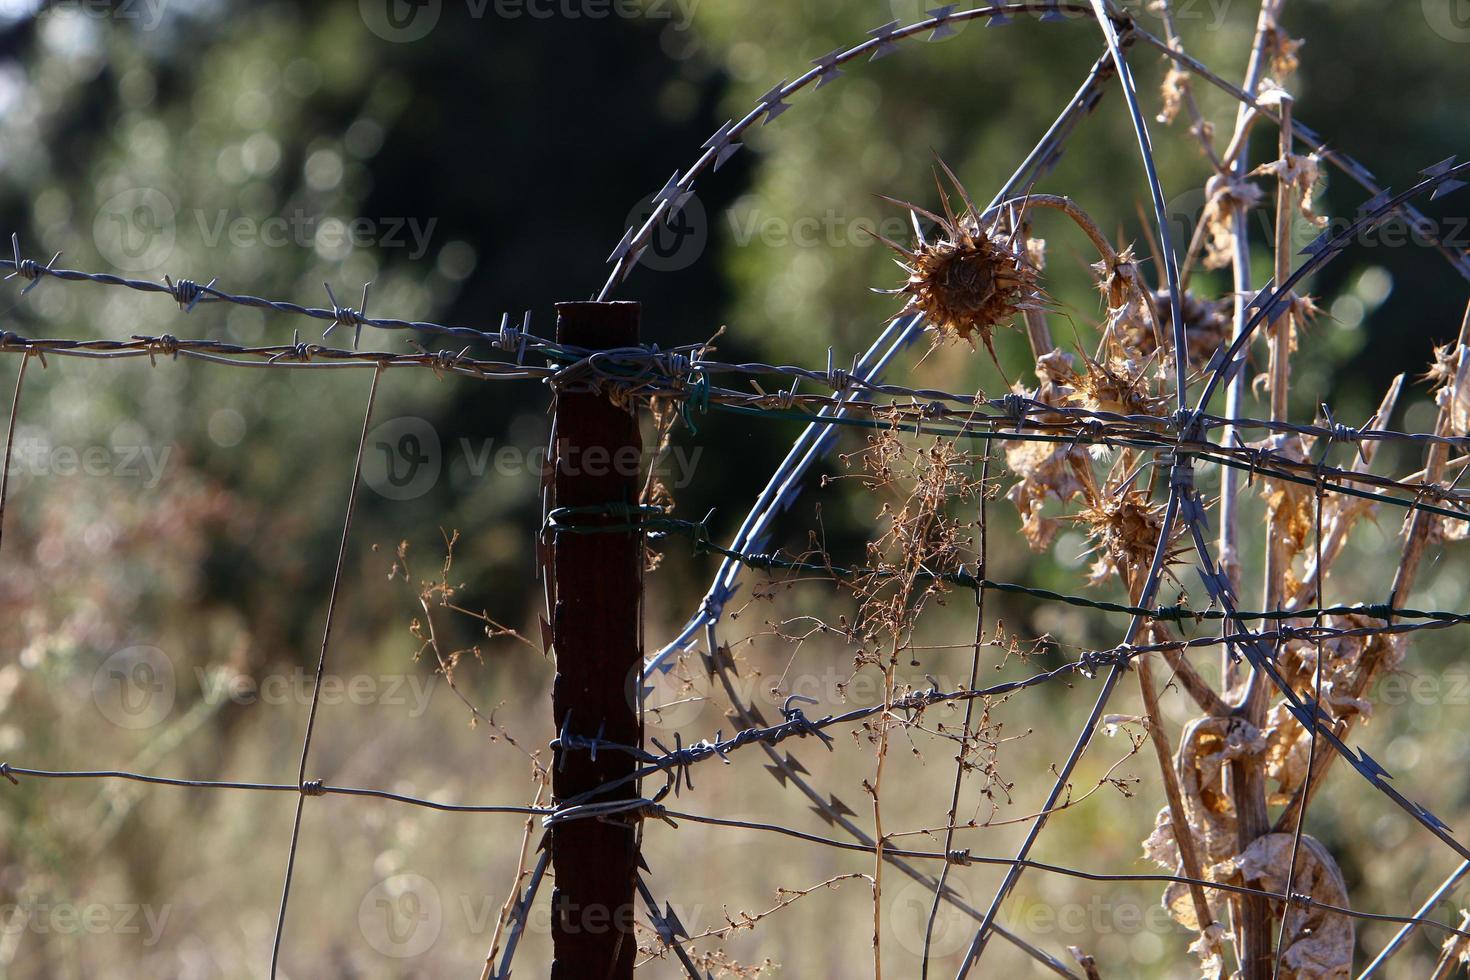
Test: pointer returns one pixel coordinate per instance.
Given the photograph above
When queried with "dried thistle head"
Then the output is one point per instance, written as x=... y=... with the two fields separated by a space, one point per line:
x=1206 y=324
x=1124 y=529
x=1226 y=196
x=1117 y=385
x=1302 y=171
x=1452 y=396
x=1284 y=51
x=968 y=280
x=1446 y=365
x=1117 y=280
x=1047 y=471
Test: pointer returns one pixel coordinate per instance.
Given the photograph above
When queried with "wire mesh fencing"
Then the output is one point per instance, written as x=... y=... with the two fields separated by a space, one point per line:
x=1122 y=439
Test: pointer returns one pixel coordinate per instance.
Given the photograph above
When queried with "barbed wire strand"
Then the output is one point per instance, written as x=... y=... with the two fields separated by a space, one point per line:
x=682 y=638
x=683 y=373
x=669 y=929
x=1320 y=256
x=961 y=857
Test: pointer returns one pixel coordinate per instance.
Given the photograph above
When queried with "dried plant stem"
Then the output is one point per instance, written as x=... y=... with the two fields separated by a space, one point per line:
x=515 y=885
x=879 y=840
x=1454 y=949
x=1434 y=467
x=1183 y=835
x=1278 y=342
x=1248 y=776
x=1199 y=125
x=1336 y=536
x=1079 y=217
x=1082 y=221
x=785 y=898
x=1403 y=583
x=447 y=668
x=1038 y=332
x=20 y=380
x=1086 y=961
x=1235 y=155
x=1189 y=677
x=1238 y=156
x=1321 y=654
x=959 y=769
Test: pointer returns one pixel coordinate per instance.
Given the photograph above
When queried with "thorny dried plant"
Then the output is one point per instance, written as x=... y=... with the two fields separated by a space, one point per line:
x=716 y=960
x=975 y=273
x=923 y=534
x=978 y=273
x=971 y=278
x=440 y=593
x=969 y=275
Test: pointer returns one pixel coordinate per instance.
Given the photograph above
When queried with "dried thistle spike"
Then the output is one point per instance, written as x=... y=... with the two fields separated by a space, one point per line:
x=1206 y=324
x=1117 y=387
x=967 y=280
x=1124 y=530
x=1445 y=367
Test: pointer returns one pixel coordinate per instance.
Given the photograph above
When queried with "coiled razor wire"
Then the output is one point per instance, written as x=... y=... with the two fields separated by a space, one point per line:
x=780 y=490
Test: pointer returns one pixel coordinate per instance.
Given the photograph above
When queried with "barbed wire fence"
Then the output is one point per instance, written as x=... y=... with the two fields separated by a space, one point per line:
x=1165 y=444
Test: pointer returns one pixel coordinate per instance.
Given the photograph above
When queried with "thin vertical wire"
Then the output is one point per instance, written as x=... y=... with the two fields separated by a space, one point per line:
x=1084 y=738
x=959 y=768
x=1301 y=815
x=20 y=379
x=321 y=667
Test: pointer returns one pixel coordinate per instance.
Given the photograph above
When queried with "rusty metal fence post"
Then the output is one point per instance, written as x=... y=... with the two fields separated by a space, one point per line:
x=596 y=590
